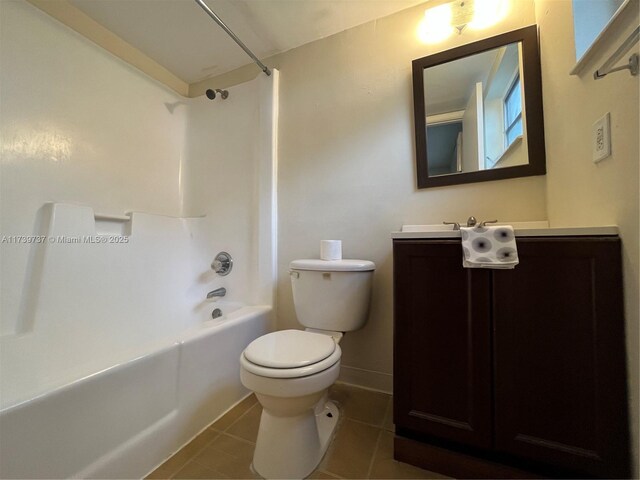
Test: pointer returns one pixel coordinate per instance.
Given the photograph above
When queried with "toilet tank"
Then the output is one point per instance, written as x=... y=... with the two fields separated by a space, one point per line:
x=332 y=295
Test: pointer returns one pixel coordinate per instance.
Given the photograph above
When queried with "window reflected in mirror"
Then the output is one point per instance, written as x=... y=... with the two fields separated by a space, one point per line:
x=512 y=106
x=474 y=108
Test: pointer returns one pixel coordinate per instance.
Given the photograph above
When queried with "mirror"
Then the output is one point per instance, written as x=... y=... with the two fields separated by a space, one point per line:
x=478 y=111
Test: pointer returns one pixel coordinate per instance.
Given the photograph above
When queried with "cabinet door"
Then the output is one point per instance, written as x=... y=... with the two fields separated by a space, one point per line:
x=442 y=379
x=560 y=394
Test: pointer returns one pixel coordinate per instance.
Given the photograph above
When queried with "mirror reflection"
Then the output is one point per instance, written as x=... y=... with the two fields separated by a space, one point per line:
x=475 y=112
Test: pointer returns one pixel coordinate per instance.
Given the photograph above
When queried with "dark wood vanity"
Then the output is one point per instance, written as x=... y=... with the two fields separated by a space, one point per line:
x=511 y=373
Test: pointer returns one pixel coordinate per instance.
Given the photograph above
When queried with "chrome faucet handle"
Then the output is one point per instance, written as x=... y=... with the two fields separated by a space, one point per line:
x=472 y=222
x=484 y=224
x=456 y=225
x=222 y=264
x=218 y=292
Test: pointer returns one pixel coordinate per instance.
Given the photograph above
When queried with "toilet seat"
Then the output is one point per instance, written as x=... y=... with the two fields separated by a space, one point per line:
x=289 y=349
x=290 y=354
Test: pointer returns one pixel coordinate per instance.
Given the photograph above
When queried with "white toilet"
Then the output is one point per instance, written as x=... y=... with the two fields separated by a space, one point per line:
x=290 y=371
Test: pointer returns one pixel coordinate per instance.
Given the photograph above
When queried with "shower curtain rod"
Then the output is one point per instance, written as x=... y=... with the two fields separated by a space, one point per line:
x=219 y=21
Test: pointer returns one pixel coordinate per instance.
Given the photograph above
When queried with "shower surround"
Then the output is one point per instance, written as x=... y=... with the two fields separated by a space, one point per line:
x=116 y=195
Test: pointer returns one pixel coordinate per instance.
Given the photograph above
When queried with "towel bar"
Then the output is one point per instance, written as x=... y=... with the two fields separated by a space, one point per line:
x=632 y=65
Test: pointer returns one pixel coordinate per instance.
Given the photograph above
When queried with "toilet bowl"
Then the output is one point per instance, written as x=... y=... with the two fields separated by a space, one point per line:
x=297 y=421
x=290 y=371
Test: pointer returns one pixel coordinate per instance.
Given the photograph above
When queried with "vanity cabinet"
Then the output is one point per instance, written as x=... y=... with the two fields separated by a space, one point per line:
x=521 y=369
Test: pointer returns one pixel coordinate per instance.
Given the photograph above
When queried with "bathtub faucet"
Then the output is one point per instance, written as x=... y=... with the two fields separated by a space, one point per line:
x=218 y=292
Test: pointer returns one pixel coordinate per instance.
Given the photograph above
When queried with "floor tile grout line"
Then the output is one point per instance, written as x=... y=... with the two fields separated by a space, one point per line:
x=235 y=421
x=217 y=432
x=240 y=439
x=231 y=410
x=227 y=454
x=363 y=423
x=191 y=457
x=380 y=429
x=226 y=432
x=327 y=472
x=213 y=469
x=387 y=412
x=378 y=436
x=235 y=437
x=345 y=417
x=375 y=452
x=220 y=475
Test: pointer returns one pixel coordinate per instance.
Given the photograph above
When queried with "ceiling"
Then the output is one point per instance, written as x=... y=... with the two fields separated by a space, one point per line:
x=180 y=36
x=449 y=85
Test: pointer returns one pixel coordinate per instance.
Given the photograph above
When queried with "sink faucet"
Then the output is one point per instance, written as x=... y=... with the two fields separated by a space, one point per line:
x=471 y=222
x=218 y=292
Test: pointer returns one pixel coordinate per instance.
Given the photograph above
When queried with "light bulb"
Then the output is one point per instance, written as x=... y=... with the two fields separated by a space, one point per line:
x=488 y=12
x=436 y=24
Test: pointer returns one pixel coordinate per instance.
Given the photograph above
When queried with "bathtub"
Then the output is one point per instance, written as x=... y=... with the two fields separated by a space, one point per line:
x=123 y=420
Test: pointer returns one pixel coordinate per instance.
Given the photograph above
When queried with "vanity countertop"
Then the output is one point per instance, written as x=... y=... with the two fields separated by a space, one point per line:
x=522 y=229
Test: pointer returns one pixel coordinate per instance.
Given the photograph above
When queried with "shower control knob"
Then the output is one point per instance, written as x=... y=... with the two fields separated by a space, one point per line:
x=222 y=264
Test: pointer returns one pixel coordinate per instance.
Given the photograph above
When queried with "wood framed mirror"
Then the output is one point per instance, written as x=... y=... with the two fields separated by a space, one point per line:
x=478 y=111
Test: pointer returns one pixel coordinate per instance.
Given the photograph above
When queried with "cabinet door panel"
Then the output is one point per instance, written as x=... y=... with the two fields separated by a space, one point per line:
x=442 y=379
x=560 y=394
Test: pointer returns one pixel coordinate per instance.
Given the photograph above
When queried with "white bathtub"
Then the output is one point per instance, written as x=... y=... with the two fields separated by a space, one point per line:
x=124 y=420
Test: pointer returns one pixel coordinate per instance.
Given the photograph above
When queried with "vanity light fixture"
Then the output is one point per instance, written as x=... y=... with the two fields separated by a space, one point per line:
x=462 y=13
x=443 y=20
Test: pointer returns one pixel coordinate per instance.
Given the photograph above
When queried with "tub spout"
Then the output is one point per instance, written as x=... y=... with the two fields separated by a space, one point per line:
x=218 y=292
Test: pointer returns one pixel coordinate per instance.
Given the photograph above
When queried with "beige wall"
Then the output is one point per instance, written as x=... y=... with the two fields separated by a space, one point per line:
x=346 y=163
x=580 y=192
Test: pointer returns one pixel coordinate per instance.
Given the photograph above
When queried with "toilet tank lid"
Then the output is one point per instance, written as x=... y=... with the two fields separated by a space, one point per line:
x=333 y=265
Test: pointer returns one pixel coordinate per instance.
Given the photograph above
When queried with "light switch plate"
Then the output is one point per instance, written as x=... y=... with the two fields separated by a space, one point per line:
x=601 y=138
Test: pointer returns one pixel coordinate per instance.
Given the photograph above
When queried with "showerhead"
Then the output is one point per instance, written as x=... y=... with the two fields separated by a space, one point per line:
x=211 y=94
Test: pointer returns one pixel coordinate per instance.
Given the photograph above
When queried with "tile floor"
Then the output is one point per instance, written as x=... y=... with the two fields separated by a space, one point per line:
x=362 y=446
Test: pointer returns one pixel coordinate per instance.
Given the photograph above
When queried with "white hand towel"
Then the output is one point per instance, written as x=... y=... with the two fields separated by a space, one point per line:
x=489 y=247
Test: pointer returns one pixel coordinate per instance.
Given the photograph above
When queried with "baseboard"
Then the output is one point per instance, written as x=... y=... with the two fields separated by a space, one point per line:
x=453 y=464
x=381 y=382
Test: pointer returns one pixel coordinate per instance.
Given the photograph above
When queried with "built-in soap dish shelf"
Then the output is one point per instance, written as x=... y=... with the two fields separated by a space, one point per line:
x=110 y=224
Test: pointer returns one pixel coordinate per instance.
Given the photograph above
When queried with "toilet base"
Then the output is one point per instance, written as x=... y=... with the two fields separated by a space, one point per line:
x=292 y=447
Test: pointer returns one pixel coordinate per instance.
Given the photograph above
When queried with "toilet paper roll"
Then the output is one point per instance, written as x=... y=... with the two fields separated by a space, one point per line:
x=331 y=249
